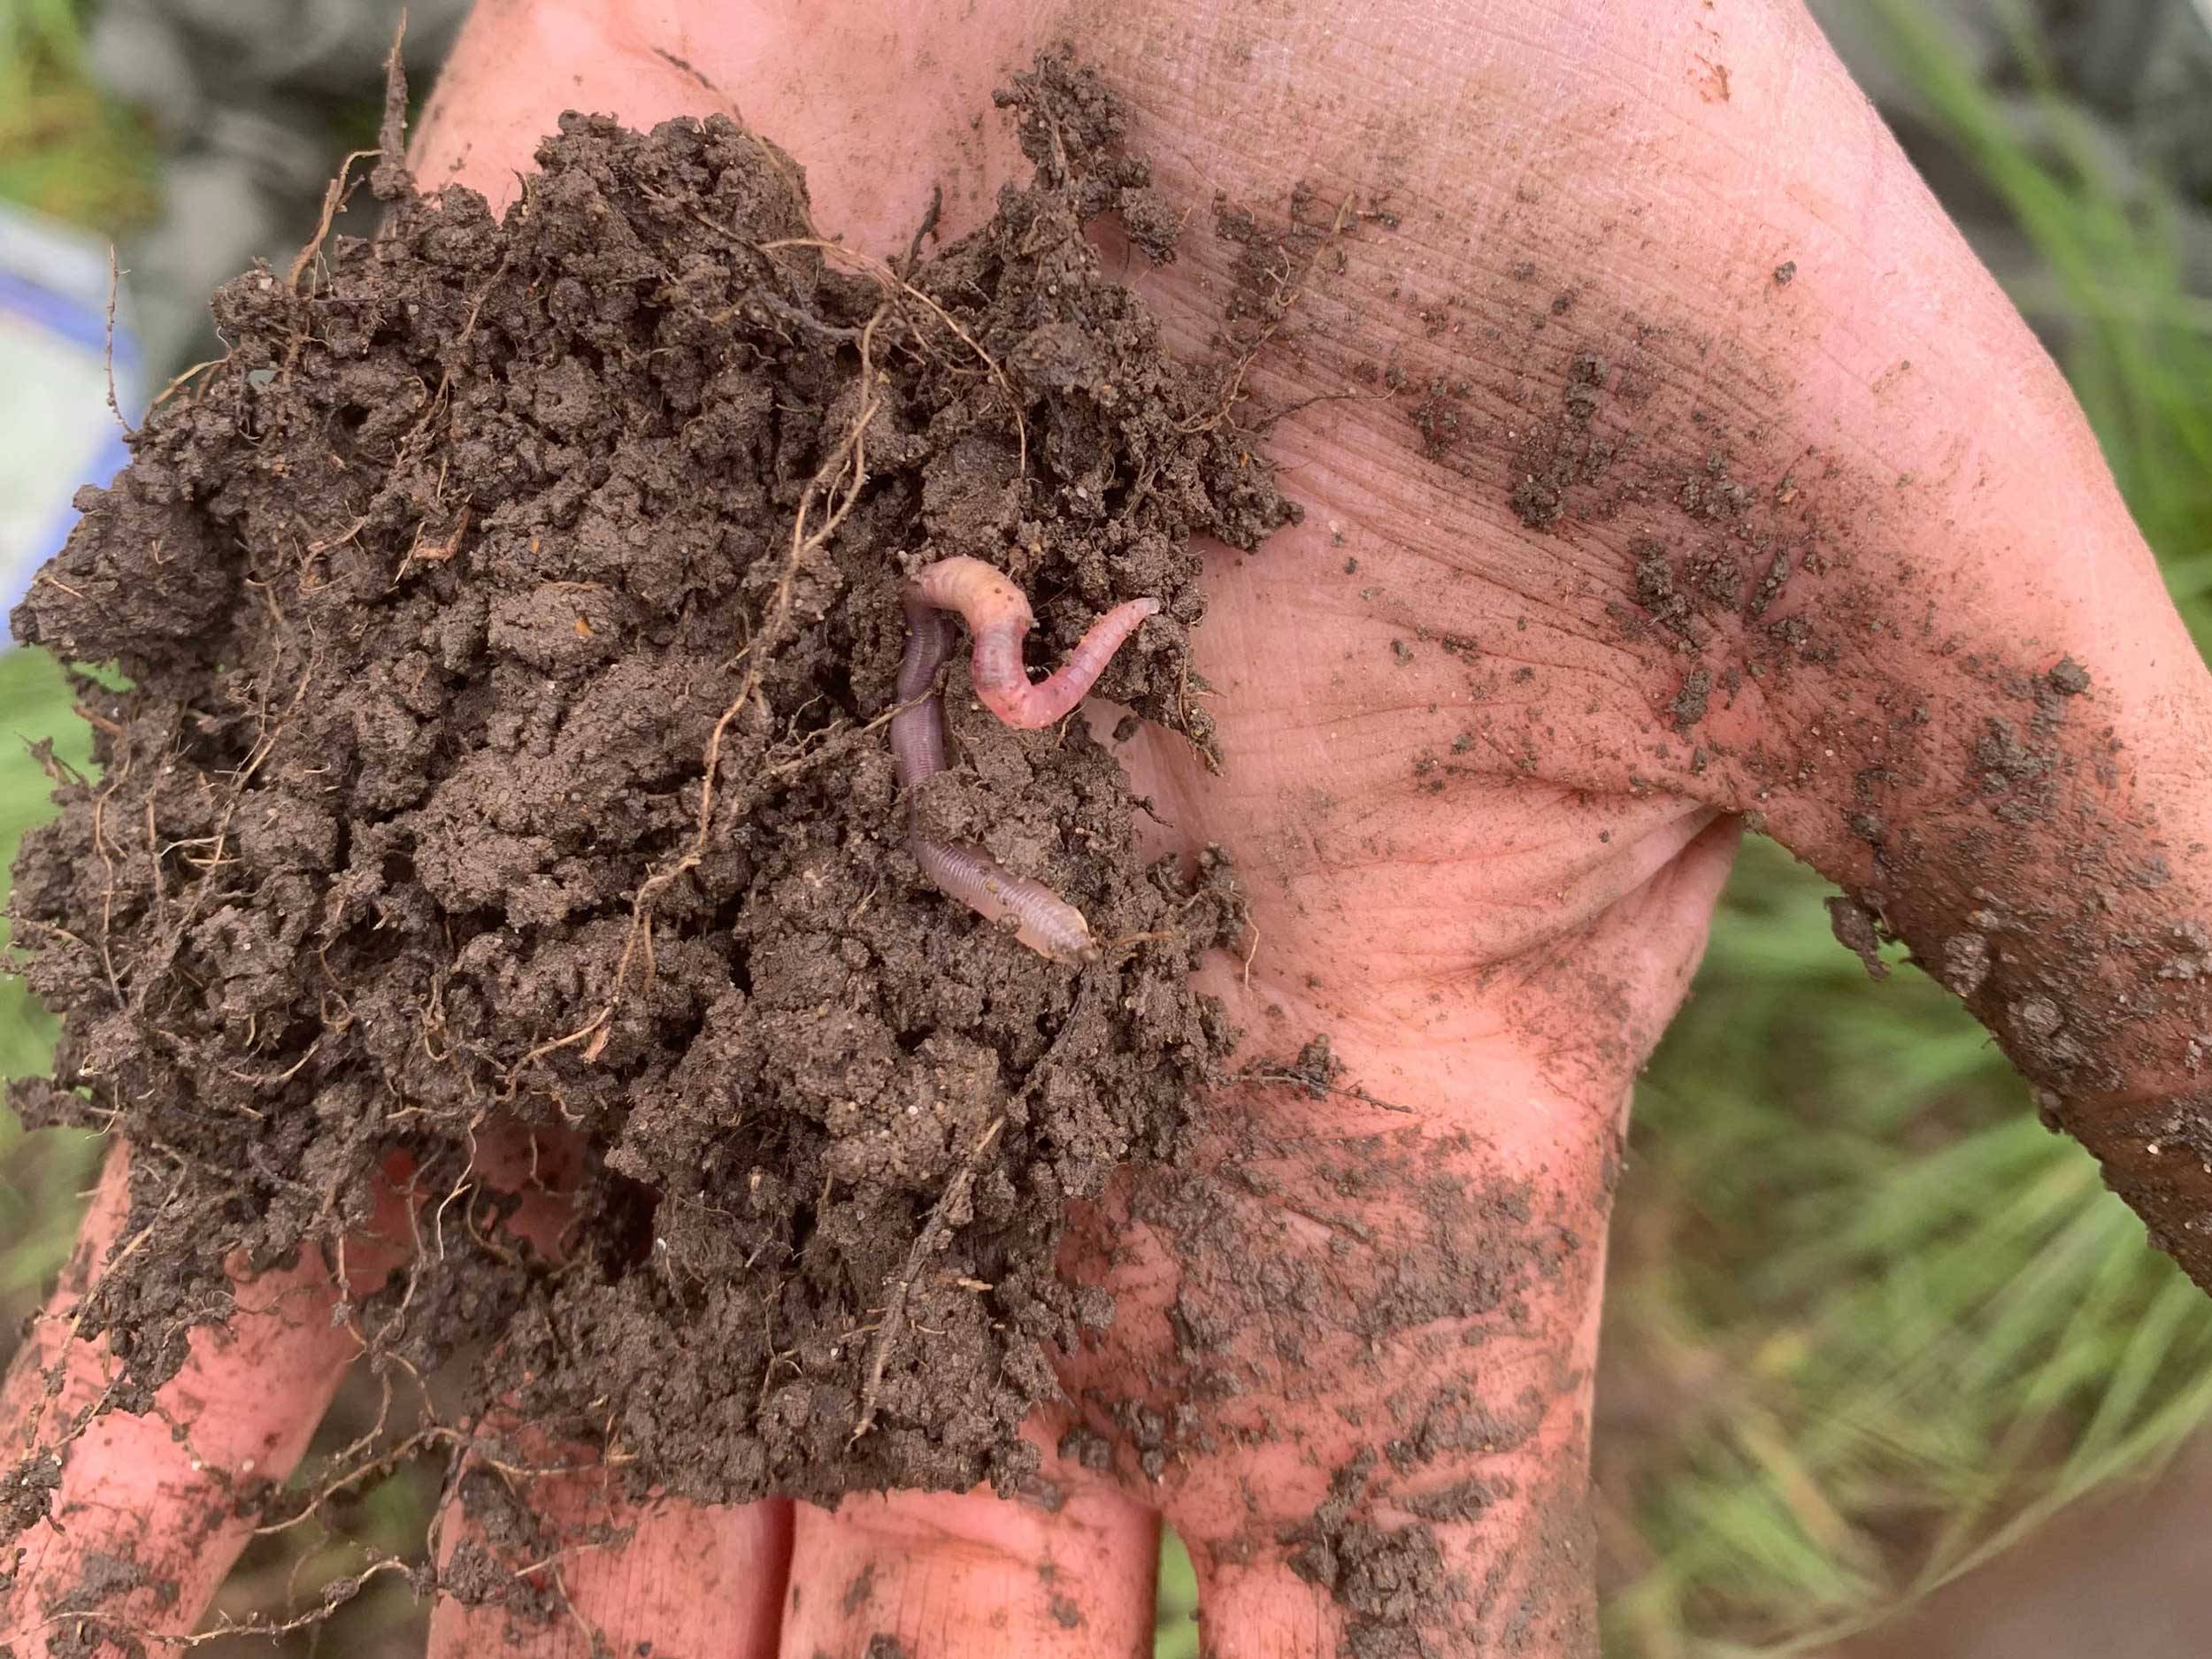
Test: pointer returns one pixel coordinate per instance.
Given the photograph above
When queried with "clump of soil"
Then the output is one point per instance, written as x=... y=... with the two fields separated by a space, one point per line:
x=510 y=619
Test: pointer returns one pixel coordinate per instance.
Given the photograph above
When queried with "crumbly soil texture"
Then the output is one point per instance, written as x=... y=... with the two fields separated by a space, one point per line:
x=500 y=808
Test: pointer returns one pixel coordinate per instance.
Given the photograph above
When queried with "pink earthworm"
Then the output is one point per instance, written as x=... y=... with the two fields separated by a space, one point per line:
x=998 y=615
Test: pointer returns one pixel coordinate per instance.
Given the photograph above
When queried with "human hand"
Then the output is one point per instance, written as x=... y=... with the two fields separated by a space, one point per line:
x=1618 y=532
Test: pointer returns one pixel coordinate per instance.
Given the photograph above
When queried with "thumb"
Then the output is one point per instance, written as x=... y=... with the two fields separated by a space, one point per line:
x=123 y=1523
x=1959 y=687
x=2021 y=794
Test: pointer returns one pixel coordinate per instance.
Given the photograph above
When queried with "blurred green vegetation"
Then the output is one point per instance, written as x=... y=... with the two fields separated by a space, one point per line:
x=1176 y=1635
x=1869 y=1321
x=66 y=149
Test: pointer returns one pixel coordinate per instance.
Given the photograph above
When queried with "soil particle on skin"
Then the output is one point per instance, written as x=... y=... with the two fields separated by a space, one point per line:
x=81 y=1622
x=1315 y=1070
x=1689 y=705
x=1661 y=596
x=1857 y=930
x=1389 y=1580
x=1088 y=1449
x=860 y=1591
x=27 y=1491
x=509 y=619
x=1711 y=495
x=1562 y=450
x=1966 y=962
x=2068 y=679
x=1771 y=585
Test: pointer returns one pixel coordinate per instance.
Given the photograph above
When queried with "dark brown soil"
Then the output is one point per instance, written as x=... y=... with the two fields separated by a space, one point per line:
x=510 y=619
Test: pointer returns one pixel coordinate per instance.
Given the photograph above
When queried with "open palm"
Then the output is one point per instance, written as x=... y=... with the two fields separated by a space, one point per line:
x=1665 y=457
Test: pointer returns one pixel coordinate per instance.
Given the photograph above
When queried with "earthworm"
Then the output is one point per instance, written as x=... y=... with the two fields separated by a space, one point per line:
x=998 y=615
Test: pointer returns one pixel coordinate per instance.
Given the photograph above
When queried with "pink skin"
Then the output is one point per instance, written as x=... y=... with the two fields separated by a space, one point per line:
x=1499 y=955
x=1045 y=922
x=998 y=615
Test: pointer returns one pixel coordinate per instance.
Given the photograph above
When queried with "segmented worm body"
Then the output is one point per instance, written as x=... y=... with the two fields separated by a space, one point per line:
x=998 y=615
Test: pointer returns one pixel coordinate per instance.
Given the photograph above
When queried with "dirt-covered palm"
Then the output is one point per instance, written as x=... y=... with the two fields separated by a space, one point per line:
x=1664 y=457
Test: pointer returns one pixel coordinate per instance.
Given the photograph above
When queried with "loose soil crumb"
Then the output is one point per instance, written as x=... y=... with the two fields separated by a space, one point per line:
x=510 y=619
x=1386 y=1580
x=81 y=1631
x=1858 y=930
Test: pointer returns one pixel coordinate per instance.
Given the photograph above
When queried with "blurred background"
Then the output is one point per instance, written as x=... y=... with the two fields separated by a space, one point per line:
x=1885 y=1371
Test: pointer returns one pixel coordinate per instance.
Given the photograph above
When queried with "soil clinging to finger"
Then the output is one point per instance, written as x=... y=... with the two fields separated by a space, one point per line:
x=510 y=619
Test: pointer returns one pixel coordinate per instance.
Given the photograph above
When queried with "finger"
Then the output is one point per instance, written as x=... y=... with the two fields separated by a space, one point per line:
x=542 y=1555
x=145 y=1513
x=540 y=1549
x=1375 y=1403
x=974 y=1577
x=1373 y=1432
x=873 y=138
